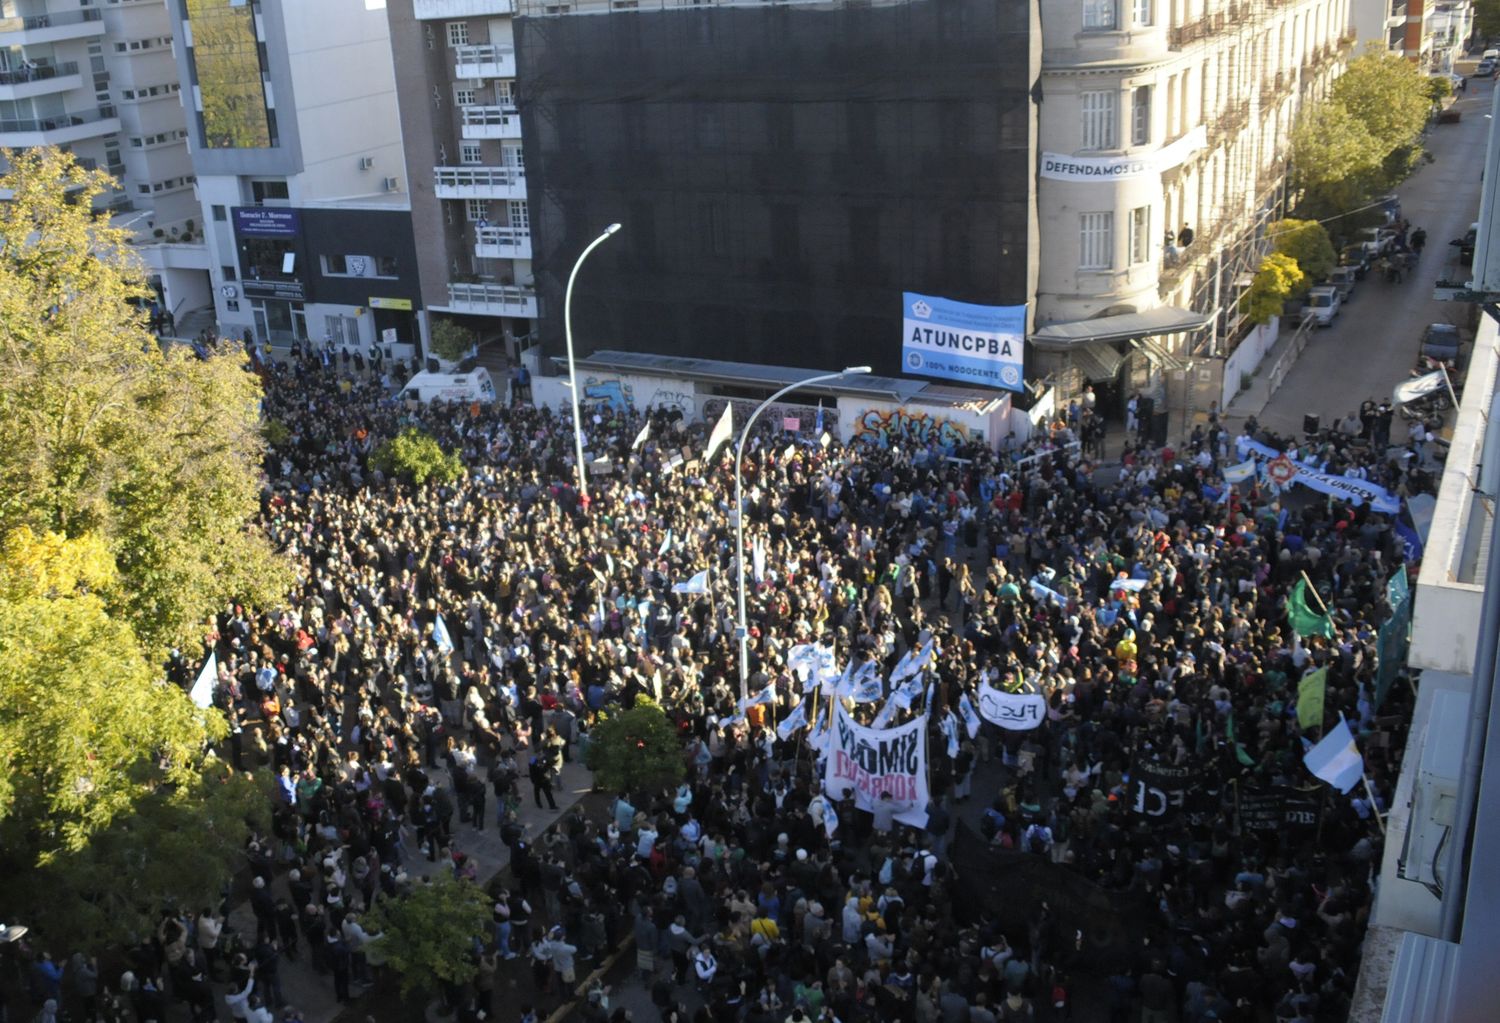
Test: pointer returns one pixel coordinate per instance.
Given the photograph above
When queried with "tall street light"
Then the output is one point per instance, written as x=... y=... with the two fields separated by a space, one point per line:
x=583 y=477
x=742 y=629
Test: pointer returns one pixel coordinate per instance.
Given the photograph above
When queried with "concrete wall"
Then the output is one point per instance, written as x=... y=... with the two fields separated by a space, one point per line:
x=1247 y=358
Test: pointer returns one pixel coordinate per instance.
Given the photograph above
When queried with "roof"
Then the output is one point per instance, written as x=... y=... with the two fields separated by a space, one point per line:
x=1121 y=327
x=898 y=389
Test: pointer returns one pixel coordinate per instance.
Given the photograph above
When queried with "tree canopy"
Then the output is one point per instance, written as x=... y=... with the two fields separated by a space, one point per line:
x=450 y=341
x=1277 y=280
x=428 y=934
x=635 y=750
x=1307 y=242
x=418 y=457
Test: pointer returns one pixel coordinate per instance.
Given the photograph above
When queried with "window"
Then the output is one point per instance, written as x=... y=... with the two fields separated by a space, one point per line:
x=220 y=213
x=463 y=96
x=512 y=156
x=470 y=153
x=1099 y=15
x=505 y=93
x=260 y=191
x=385 y=266
x=520 y=215
x=229 y=273
x=1140 y=116
x=1140 y=234
x=1096 y=241
x=458 y=33
x=476 y=209
x=1143 y=13
x=1099 y=119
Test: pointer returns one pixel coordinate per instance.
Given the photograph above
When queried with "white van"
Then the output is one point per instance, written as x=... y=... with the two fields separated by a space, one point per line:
x=1323 y=305
x=1490 y=55
x=474 y=385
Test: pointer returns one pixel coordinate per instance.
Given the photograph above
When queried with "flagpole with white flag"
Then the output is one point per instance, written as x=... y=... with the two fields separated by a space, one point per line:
x=722 y=431
x=202 y=692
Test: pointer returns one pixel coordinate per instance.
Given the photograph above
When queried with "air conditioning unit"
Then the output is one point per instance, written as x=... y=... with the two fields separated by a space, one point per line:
x=391 y=184
x=366 y=162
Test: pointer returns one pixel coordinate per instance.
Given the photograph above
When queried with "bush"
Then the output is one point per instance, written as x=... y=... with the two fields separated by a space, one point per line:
x=1277 y=278
x=427 y=936
x=450 y=342
x=636 y=750
x=1307 y=242
x=417 y=457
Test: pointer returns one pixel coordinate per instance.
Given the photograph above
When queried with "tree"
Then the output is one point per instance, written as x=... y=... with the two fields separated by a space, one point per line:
x=1439 y=88
x=428 y=934
x=1308 y=244
x=1388 y=94
x=1486 y=18
x=1336 y=161
x=418 y=457
x=103 y=434
x=450 y=342
x=1275 y=282
x=636 y=750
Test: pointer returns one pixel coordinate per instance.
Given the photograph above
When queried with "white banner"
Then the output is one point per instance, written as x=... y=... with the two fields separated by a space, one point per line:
x=1061 y=167
x=871 y=763
x=1016 y=712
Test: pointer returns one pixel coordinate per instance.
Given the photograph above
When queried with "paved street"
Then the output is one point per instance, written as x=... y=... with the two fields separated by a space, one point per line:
x=1374 y=343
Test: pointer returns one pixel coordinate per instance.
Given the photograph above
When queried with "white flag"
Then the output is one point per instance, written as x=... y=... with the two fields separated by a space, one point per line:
x=949 y=727
x=887 y=712
x=868 y=689
x=202 y=692
x=971 y=717
x=440 y=635
x=721 y=433
x=1336 y=759
x=914 y=661
x=640 y=438
x=758 y=559
x=791 y=449
x=766 y=695
x=856 y=680
x=1417 y=387
x=795 y=720
x=697 y=584
x=666 y=545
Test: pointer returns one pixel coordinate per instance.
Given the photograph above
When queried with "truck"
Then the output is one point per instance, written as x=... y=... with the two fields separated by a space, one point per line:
x=475 y=385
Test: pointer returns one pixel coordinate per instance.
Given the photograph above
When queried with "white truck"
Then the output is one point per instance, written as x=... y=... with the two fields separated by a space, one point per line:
x=475 y=385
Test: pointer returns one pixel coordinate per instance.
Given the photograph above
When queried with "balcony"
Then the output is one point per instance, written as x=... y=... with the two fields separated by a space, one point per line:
x=445 y=10
x=1185 y=35
x=44 y=80
x=1229 y=123
x=59 y=129
x=492 y=300
x=488 y=61
x=491 y=123
x=502 y=243
x=479 y=182
x=50 y=28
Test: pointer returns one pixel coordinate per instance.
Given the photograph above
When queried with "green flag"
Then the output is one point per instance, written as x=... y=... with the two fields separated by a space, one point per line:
x=1303 y=619
x=1239 y=750
x=1310 y=692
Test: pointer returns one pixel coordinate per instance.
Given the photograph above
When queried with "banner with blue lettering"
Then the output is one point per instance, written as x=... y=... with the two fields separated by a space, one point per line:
x=872 y=763
x=1349 y=488
x=975 y=344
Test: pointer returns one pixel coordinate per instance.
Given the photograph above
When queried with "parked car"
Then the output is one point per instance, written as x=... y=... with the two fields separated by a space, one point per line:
x=1342 y=279
x=1359 y=256
x=1440 y=341
x=1486 y=69
x=1323 y=305
x=1382 y=238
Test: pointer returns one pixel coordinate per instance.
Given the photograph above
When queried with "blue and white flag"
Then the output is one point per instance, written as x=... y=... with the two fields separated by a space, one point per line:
x=914 y=661
x=697 y=584
x=202 y=692
x=904 y=696
x=948 y=725
x=970 y=715
x=1335 y=759
x=1411 y=540
x=811 y=663
x=854 y=678
x=1042 y=592
x=440 y=635
x=793 y=721
x=765 y=696
x=730 y=720
x=1240 y=473
x=1133 y=585
x=666 y=545
x=887 y=711
x=868 y=689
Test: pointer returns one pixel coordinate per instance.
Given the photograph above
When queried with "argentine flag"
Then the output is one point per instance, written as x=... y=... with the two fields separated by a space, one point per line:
x=440 y=635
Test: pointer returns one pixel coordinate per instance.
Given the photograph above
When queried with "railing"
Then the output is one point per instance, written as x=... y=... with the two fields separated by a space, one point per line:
x=40 y=73
x=482 y=53
x=1231 y=120
x=507 y=237
x=49 y=20
x=58 y=121
x=488 y=115
x=479 y=177
x=491 y=294
x=1183 y=35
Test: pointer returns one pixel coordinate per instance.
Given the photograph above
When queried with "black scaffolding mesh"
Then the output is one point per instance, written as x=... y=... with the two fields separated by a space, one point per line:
x=782 y=173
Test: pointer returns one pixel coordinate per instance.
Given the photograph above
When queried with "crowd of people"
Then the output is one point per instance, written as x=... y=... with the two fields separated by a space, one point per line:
x=749 y=892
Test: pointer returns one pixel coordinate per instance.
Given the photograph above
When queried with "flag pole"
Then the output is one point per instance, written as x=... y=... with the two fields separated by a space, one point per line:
x=1374 y=808
x=1314 y=591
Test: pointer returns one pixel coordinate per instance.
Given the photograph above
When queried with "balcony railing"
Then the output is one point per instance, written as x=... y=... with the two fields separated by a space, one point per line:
x=503 y=299
x=485 y=60
x=40 y=73
x=1202 y=28
x=479 y=177
x=57 y=120
x=502 y=243
x=491 y=122
x=48 y=20
x=1233 y=118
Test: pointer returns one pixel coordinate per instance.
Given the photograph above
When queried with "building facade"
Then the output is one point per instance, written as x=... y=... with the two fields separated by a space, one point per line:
x=455 y=66
x=1164 y=130
x=1433 y=33
x=296 y=144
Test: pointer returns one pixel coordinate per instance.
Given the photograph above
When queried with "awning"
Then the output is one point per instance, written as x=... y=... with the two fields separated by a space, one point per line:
x=1123 y=327
x=1097 y=363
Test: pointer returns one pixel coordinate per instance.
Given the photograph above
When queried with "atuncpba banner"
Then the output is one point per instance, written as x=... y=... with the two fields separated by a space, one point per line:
x=871 y=763
x=975 y=344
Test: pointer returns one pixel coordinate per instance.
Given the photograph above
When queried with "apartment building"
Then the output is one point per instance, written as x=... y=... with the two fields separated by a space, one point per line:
x=1433 y=33
x=97 y=78
x=1164 y=135
x=295 y=141
x=455 y=67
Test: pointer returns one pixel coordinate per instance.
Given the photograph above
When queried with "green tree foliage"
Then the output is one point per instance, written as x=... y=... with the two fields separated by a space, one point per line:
x=1276 y=280
x=1308 y=243
x=417 y=457
x=427 y=936
x=1336 y=161
x=636 y=750
x=1439 y=88
x=1487 y=18
x=450 y=342
x=101 y=433
x=1388 y=94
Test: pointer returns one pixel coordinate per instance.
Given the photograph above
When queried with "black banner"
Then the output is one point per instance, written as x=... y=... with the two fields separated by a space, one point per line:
x=1161 y=791
x=1277 y=809
x=1011 y=886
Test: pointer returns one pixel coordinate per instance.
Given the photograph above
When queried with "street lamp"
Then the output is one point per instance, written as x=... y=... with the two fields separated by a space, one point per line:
x=583 y=480
x=742 y=629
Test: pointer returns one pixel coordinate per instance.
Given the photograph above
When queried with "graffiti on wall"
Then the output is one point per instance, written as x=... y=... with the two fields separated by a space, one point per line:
x=685 y=402
x=614 y=393
x=776 y=415
x=885 y=426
